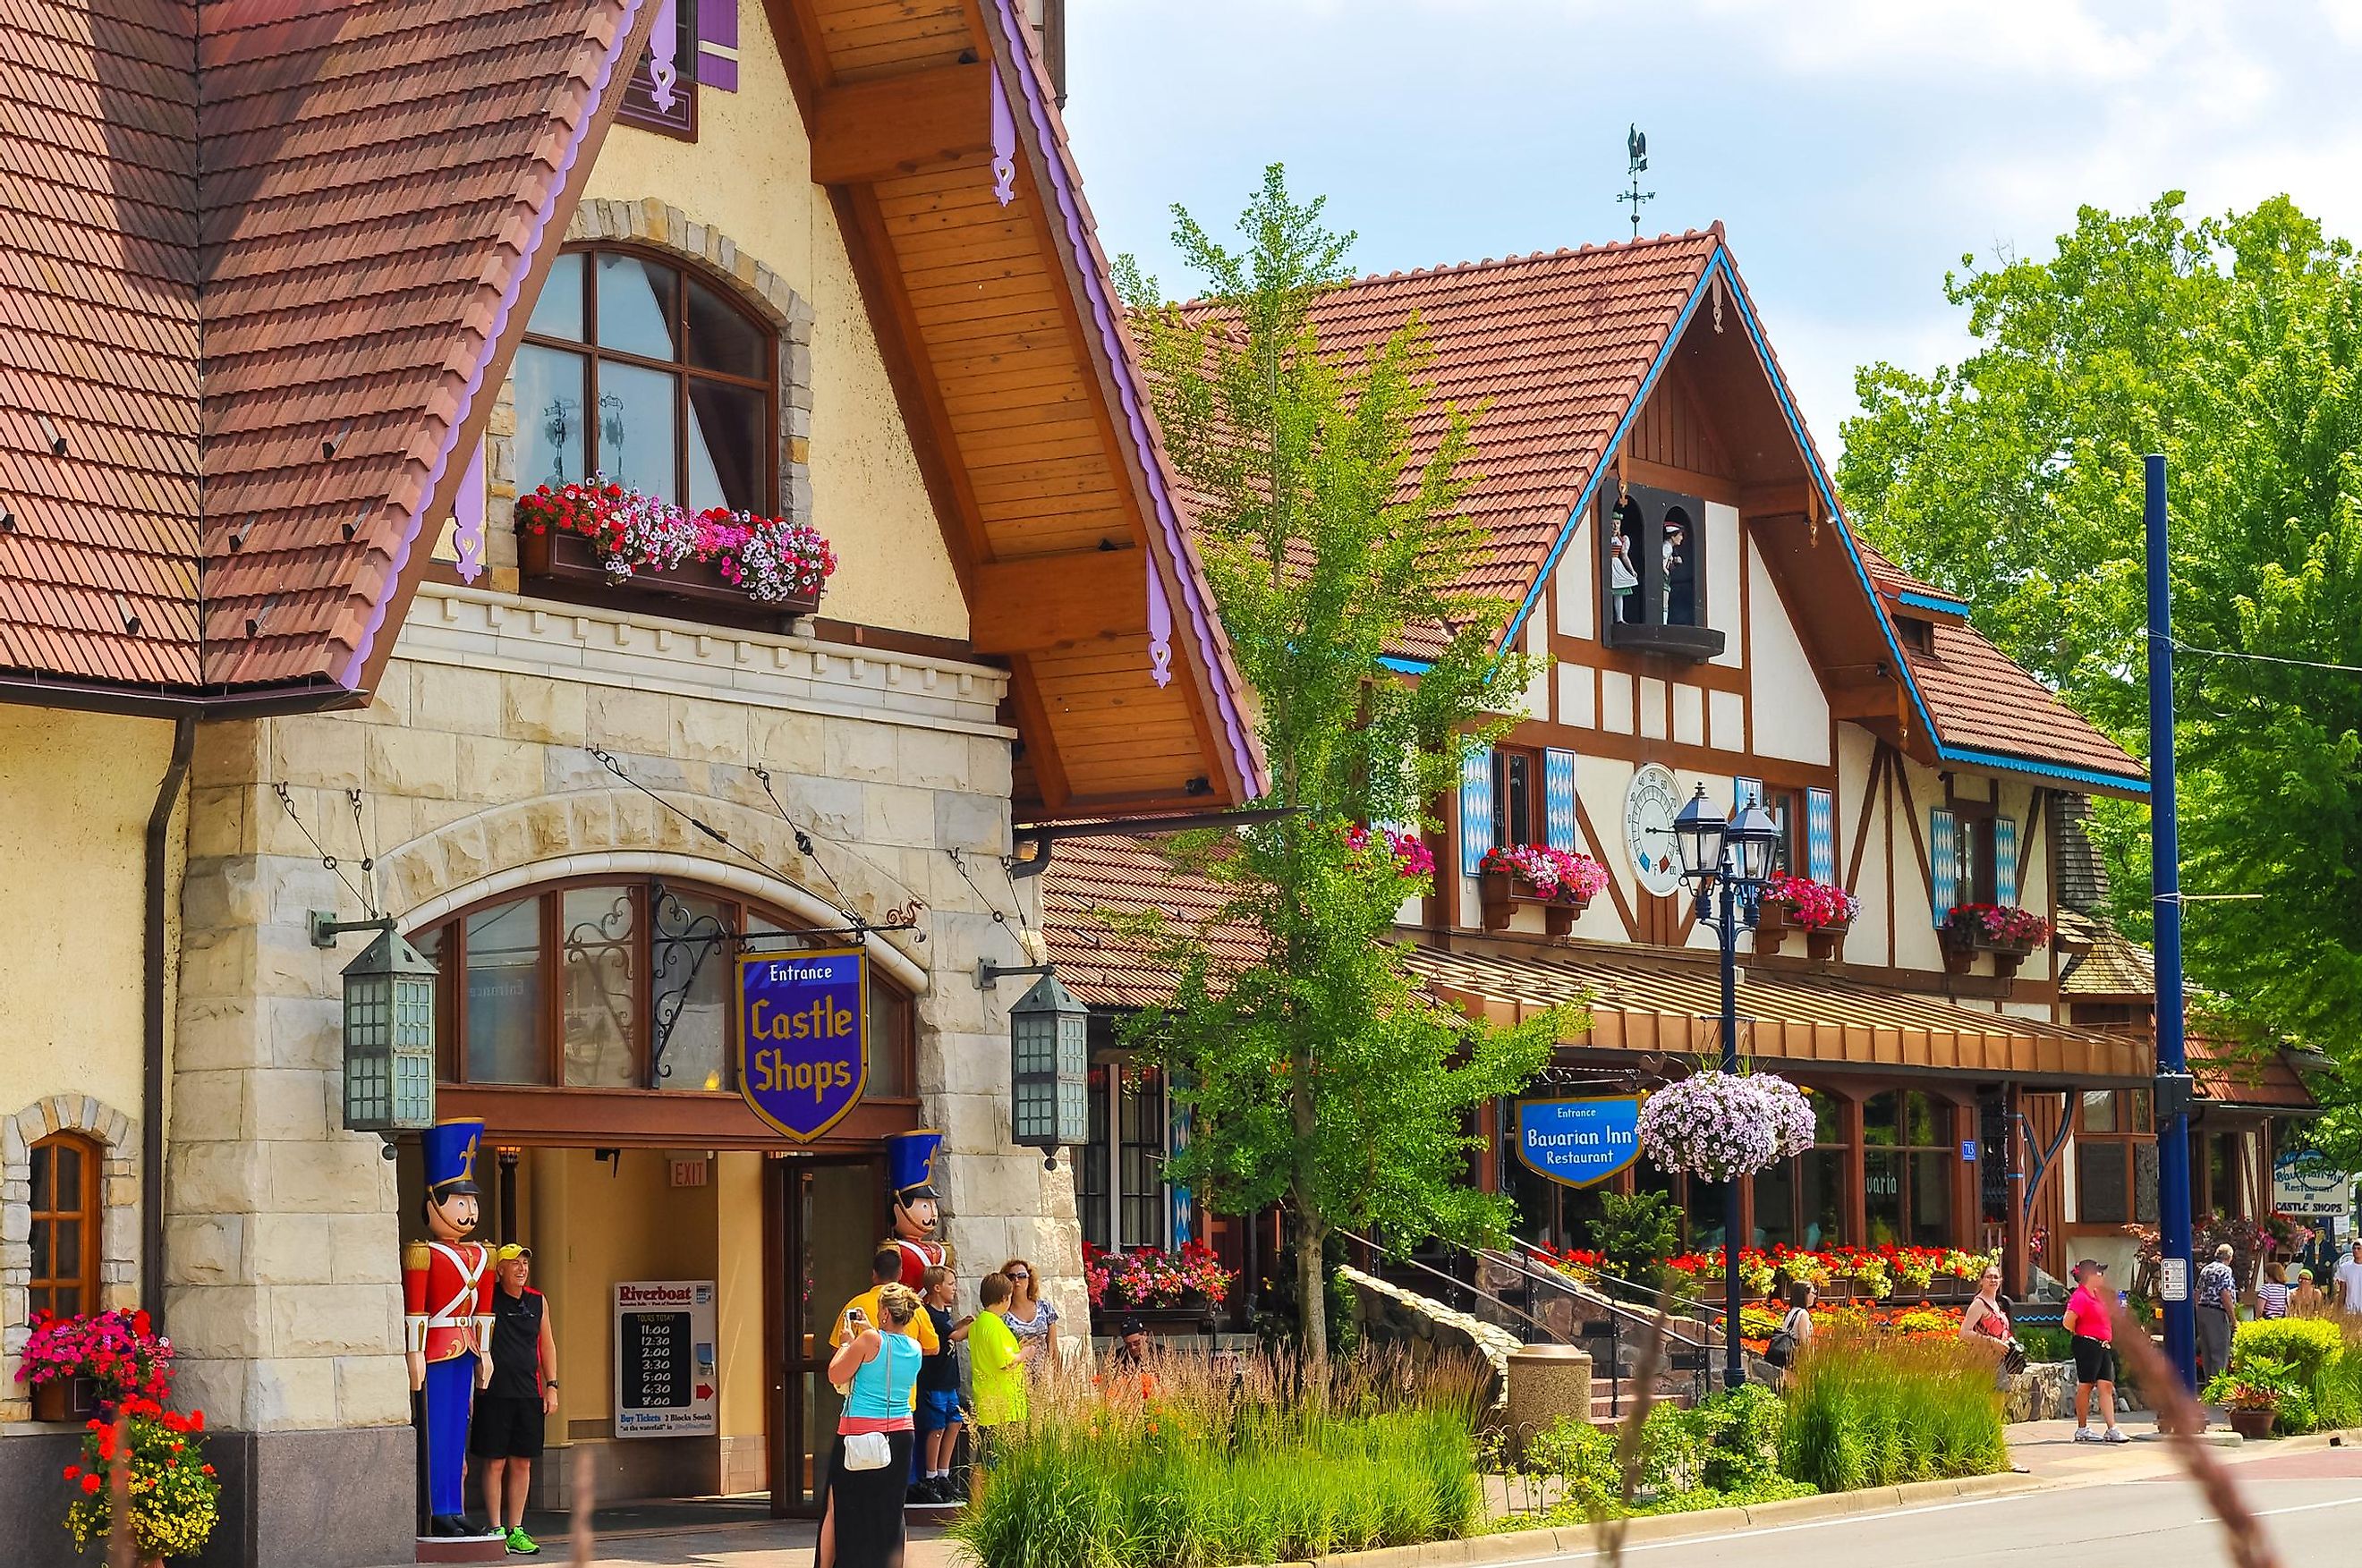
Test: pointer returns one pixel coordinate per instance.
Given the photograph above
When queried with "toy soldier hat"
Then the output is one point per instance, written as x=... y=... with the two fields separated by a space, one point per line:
x=910 y=1164
x=448 y=1151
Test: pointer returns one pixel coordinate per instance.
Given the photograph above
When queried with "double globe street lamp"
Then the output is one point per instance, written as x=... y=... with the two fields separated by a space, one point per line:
x=1729 y=862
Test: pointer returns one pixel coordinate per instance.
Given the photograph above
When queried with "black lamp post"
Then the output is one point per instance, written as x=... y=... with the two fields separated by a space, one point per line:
x=1728 y=862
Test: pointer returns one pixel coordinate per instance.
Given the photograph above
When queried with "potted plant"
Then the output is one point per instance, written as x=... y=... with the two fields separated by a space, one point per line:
x=78 y=1367
x=175 y=1498
x=1561 y=881
x=1721 y=1125
x=593 y=534
x=1412 y=857
x=2253 y=1395
x=1182 y=1288
x=1822 y=911
x=2006 y=931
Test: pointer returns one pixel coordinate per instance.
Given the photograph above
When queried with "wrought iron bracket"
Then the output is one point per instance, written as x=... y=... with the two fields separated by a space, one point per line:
x=327 y=927
x=987 y=973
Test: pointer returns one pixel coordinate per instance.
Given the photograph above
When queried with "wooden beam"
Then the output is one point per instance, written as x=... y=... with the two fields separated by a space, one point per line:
x=1042 y=601
x=866 y=131
x=1860 y=702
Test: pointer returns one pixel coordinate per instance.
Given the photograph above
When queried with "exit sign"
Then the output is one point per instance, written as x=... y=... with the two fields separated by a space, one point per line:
x=689 y=1172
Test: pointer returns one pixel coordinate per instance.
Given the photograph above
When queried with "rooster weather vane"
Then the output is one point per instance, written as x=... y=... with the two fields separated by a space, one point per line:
x=1636 y=152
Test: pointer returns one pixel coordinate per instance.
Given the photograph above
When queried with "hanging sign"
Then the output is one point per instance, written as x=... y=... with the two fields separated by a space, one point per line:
x=2306 y=1186
x=1578 y=1142
x=664 y=1368
x=803 y=1044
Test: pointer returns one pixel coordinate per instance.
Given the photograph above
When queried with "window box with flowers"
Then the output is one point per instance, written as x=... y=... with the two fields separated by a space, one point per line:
x=592 y=537
x=1562 y=883
x=1821 y=911
x=78 y=1367
x=1178 y=1288
x=2006 y=931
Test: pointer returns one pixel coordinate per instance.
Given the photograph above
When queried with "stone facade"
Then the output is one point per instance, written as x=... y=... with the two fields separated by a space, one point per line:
x=473 y=773
x=117 y=1137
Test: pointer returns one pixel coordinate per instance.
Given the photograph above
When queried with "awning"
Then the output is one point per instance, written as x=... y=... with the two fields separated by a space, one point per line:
x=2238 y=1077
x=1671 y=1007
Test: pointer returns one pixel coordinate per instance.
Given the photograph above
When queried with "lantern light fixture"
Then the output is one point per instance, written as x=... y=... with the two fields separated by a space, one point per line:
x=1049 y=1069
x=389 y=1029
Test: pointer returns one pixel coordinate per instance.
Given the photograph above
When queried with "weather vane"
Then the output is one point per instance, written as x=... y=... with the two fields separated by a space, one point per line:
x=1636 y=148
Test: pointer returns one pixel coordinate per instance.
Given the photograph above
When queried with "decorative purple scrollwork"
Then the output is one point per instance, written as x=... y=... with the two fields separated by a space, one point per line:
x=1160 y=626
x=467 y=518
x=1004 y=144
x=663 y=45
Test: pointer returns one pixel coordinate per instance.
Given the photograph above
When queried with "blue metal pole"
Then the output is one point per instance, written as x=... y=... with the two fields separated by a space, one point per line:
x=2165 y=852
x=1734 y=1369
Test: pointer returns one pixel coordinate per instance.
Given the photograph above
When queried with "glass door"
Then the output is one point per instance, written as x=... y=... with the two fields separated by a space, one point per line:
x=823 y=1221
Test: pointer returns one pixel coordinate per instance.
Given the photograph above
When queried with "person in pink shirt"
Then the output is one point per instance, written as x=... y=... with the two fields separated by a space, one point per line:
x=2088 y=1320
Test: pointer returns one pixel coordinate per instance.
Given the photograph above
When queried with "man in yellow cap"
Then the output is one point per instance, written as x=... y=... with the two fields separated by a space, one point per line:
x=507 y=1433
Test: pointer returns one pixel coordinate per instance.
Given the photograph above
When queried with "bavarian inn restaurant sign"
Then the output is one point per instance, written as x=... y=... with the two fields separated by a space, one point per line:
x=1578 y=1142
x=803 y=1042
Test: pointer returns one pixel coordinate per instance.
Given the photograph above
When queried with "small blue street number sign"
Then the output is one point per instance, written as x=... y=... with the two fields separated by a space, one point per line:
x=1578 y=1142
x=1967 y=1151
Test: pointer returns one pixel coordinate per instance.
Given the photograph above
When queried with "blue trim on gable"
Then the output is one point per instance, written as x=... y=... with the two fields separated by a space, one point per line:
x=1406 y=666
x=2002 y=762
x=1933 y=601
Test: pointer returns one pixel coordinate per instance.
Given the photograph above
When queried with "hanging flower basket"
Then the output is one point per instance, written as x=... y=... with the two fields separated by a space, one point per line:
x=81 y=1367
x=1562 y=883
x=1821 y=911
x=1723 y=1125
x=593 y=534
x=2006 y=931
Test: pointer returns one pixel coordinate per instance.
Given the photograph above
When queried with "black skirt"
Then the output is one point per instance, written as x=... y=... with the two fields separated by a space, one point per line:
x=869 y=1506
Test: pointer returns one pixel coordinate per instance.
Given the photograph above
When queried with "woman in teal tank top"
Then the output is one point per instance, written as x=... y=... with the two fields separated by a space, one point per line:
x=862 y=1527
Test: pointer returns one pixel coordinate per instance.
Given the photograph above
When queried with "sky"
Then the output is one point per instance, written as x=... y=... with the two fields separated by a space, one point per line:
x=1854 y=149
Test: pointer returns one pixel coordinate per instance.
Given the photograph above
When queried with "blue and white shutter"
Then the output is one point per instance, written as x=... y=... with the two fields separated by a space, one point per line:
x=1743 y=790
x=1475 y=808
x=1820 y=835
x=1943 y=860
x=2005 y=859
x=1557 y=799
x=1185 y=1207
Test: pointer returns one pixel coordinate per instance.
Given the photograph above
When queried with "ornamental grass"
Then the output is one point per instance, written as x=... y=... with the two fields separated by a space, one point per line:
x=1195 y=1467
x=1865 y=1410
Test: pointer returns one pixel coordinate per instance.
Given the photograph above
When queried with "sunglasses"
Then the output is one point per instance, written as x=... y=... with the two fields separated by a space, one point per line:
x=1020 y=1273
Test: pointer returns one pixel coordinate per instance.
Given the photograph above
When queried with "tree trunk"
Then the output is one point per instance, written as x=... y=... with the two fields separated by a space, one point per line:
x=1311 y=1290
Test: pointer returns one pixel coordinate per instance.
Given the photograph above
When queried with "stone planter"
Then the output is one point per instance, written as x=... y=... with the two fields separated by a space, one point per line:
x=1547 y=1381
x=1501 y=894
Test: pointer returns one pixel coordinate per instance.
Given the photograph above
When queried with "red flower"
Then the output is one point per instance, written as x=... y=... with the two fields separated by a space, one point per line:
x=90 y=1484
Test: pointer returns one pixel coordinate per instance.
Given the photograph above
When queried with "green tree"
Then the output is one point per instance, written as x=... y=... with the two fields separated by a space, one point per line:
x=2234 y=346
x=1320 y=1077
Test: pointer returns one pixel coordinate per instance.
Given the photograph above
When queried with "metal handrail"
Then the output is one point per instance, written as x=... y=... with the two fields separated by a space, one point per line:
x=1702 y=1312
x=1530 y=1319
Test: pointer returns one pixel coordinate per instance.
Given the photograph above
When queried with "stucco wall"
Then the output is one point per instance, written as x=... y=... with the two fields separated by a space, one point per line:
x=748 y=175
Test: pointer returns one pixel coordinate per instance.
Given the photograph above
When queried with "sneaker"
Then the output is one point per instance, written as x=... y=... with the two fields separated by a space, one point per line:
x=2085 y=1434
x=523 y=1544
x=2116 y=1434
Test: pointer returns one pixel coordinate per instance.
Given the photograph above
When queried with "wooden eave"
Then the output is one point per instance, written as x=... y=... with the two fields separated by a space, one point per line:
x=1025 y=413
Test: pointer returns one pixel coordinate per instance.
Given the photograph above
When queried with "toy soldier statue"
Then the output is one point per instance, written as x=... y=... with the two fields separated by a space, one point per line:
x=910 y=1176
x=446 y=1299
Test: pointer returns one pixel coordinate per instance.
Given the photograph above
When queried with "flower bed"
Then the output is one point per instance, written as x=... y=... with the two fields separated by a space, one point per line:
x=1872 y=1273
x=1720 y=1125
x=569 y=530
x=1562 y=881
x=1412 y=857
x=1265 y=1465
x=1147 y=1277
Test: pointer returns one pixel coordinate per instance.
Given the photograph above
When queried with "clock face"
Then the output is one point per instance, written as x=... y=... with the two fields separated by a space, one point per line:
x=1650 y=804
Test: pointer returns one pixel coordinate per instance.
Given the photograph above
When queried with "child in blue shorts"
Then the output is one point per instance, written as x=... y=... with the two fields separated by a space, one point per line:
x=939 y=1400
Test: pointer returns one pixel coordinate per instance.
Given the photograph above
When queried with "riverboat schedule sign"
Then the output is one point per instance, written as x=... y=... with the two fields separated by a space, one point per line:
x=664 y=1366
x=803 y=1039
x=2305 y=1185
x=1578 y=1142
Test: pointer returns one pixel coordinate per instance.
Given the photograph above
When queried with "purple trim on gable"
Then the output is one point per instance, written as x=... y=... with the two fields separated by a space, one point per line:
x=1004 y=145
x=664 y=46
x=354 y=667
x=1160 y=627
x=468 y=516
x=1017 y=52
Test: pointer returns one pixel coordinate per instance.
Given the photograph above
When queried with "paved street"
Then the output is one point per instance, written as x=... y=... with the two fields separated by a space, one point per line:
x=2311 y=1504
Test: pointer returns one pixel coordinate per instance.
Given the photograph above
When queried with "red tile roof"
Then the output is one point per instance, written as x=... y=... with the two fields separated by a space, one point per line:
x=1982 y=702
x=237 y=233
x=2232 y=1072
x=1089 y=879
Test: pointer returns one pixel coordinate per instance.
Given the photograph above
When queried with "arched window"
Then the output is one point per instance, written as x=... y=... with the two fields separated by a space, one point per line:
x=619 y=984
x=635 y=368
x=65 y=1225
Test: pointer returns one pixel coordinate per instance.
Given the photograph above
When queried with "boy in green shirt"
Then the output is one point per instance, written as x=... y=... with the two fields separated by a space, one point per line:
x=996 y=1365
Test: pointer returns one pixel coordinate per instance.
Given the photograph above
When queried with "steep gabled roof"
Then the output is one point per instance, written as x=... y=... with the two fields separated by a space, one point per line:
x=258 y=258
